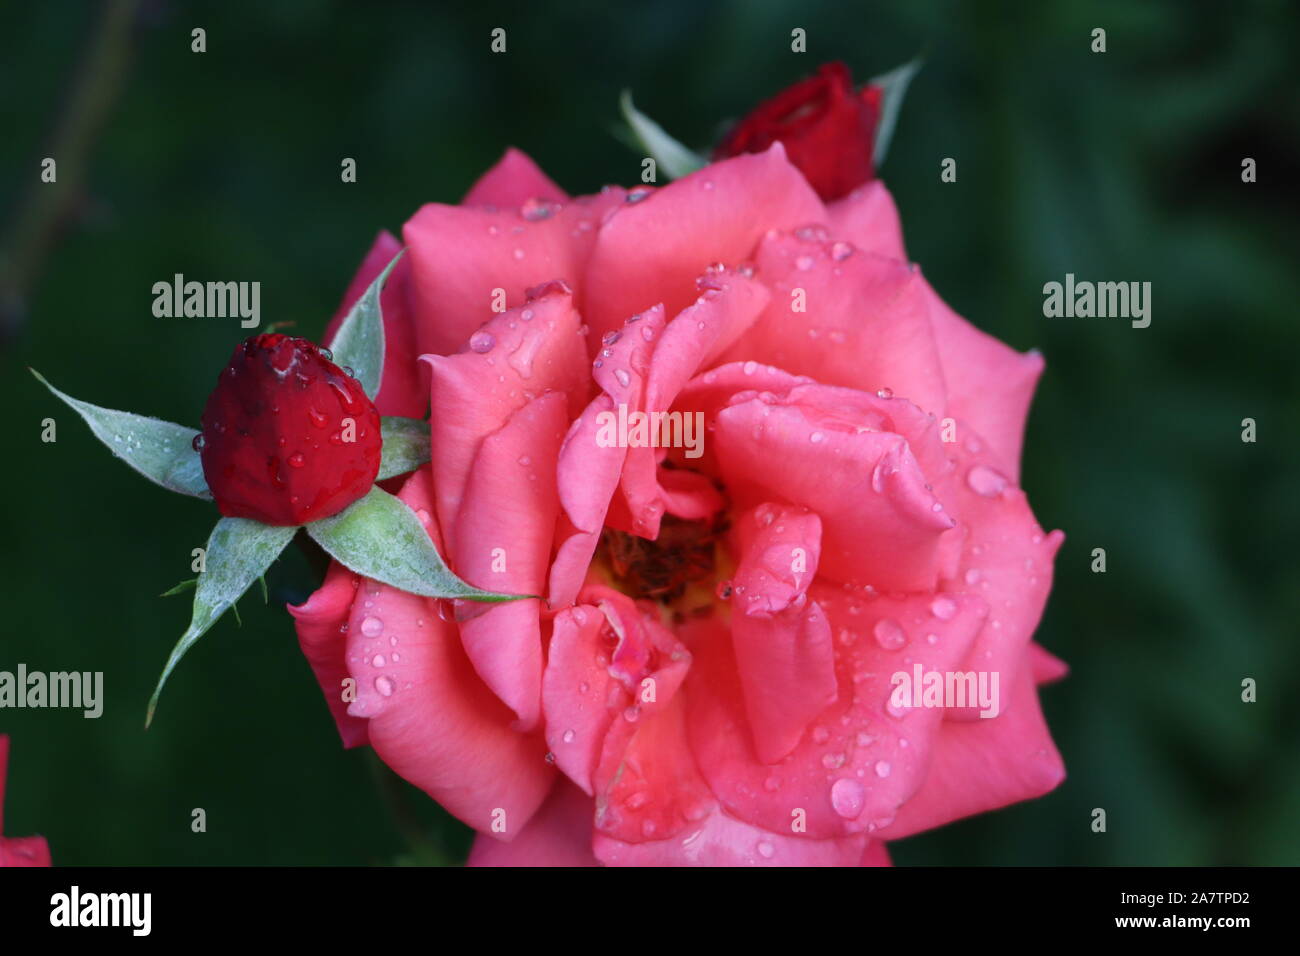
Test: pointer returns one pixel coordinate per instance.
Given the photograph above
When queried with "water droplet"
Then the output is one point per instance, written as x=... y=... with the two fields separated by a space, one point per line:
x=803 y=263
x=197 y=442
x=378 y=660
x=537 y=209
x=518 y=254
x=986 y=481
x=297 y=460
x=384 y=684
x=943 y=608
x=372 y=627
x=833 y=761
x=817 y=437
x=882 y=768
x=888 y=634
x=482 y=342
x=848 y=797
x=821 y=735
x=884 y=393
x=841 y=251
x=623 y=378
x=972 y=576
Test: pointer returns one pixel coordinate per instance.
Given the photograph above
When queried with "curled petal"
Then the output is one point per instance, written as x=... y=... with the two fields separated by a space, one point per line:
x=475 y=391
x=782 y=641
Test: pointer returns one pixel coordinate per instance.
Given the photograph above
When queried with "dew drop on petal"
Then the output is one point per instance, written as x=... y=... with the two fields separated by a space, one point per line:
x=384 y=684
x=848 y=797
x=943 y=608
x=889 y=635
x=985 y=481
x=372 y=627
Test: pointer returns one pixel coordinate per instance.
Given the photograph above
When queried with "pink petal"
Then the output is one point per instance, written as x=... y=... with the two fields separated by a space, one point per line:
x=575 y=689
x=505 y=532
x=591 y=465
x=720 y=839
x=983 y=765
x=461 y=255
x=587 y=477
x=321 y=622
x=862 y=757
x=651 y=251
x=559 y=834
x=782 y=641
x=865 y=321
x=403 y=390
x=475 y=391
x=17 y=851
x=1046 y=668
x=1006 y=558
x=876 y=855
x=512 y=181
x=990 y=384
x=868 y=218
x=880 y=521
x=430 y=717
x=728 y=305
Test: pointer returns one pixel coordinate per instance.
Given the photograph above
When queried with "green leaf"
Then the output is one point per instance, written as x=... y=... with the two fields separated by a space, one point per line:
x=893 y=87
x=180 y=588
x=238 y=552
x=379 y=537
x=162 y=452
x=669 y=155
x=359 y=342
x=406 y=445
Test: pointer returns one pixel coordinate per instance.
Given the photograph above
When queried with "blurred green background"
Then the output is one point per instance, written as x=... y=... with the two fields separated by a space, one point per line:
x=1121 y=166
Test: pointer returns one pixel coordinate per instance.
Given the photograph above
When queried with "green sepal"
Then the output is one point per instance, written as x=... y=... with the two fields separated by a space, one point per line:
x=669 y=155
x=406 y=445
x=359 y=341
x=379 y=537
x=238 y=552
x=893 y=86
x=161 y=451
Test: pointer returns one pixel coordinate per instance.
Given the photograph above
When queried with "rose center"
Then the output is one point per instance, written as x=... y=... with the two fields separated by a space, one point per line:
x=681 y=558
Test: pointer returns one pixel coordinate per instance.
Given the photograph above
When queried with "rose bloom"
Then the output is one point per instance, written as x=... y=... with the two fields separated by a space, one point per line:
x=704 y=675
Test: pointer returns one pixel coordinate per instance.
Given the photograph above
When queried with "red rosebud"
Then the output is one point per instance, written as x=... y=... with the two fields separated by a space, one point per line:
x=827 y=128
x=288 y=437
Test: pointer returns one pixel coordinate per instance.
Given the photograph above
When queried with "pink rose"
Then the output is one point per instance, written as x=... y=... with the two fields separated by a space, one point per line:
x=18 y=851
x=707 y=675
